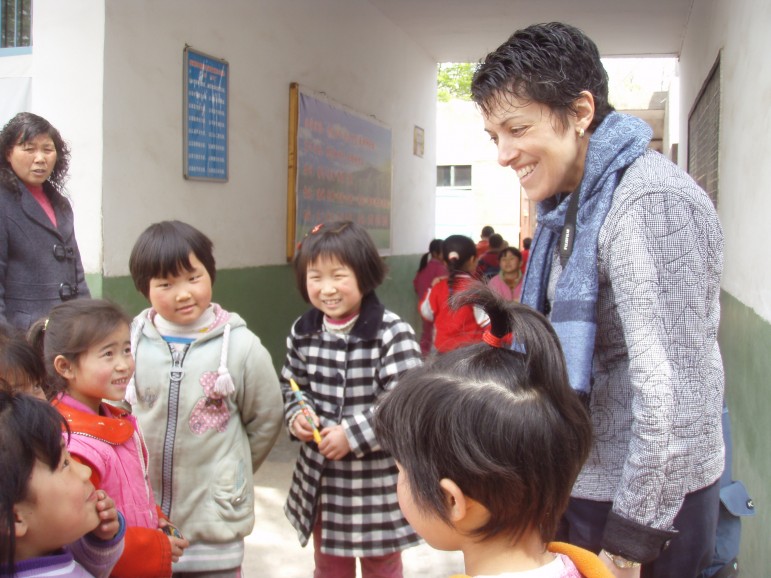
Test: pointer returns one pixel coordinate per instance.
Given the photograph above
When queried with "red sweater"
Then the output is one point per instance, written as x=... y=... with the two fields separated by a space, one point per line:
x=453 y=328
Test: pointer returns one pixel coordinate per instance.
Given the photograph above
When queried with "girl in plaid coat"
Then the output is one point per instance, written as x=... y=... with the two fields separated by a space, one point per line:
x=344 y=354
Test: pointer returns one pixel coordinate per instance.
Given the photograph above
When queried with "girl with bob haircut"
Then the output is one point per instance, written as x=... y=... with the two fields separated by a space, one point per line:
x=489 y=439
x=342 y=356
x=52 y=520
x=206 y=394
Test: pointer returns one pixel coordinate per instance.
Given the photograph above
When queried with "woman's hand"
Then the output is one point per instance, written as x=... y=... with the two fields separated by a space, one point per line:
x=334 y=445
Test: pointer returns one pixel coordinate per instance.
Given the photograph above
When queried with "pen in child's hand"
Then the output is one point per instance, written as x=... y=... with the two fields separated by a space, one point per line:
x=304 y=409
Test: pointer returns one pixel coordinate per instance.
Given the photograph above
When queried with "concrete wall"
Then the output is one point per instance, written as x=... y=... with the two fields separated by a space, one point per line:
x=737 y=31
x=109 y=75
x=344 y=48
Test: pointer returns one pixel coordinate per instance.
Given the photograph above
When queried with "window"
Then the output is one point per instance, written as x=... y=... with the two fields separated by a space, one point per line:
x=704 y=135
x=453 y=176
x=15 y=23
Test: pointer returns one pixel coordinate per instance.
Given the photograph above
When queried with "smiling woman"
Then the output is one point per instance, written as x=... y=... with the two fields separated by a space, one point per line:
x=612 y=218
x=40 y=262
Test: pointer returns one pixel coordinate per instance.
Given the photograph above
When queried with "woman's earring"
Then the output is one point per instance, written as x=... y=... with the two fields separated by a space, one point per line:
x=580 y=132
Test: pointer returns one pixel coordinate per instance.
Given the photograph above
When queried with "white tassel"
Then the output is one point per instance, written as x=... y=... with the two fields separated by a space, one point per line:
x=131 y=389
x=131 y=393
x=223 y=386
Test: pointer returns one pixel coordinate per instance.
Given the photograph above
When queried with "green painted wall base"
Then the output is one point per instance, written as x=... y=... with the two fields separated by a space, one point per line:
x=267 y=298
x=745 y=342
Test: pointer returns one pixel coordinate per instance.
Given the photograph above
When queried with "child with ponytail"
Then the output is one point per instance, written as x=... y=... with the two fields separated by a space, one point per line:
x=488 y=440
x=454 y=327
x=86 y=348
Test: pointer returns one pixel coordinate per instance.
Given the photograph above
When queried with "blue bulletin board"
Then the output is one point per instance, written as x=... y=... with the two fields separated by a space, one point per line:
x=205 y=117
x=339 y=168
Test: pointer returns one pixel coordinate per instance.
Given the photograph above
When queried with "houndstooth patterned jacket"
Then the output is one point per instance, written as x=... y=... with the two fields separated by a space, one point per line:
x=656 y=400
x=341 y=378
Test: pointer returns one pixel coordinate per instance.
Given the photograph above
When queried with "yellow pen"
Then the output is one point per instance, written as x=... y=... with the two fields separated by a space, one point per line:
x=304 y=409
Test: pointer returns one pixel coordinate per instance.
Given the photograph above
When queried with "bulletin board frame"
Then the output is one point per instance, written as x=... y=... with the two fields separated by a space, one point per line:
x=206 y=114
x=339 y=168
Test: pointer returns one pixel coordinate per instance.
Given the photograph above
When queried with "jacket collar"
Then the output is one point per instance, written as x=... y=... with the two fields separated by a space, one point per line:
x=113 y=429
x=365 y=328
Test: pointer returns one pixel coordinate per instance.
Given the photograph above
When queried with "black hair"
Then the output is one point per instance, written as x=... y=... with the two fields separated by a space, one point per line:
x=546 y=63
x=487 y=230
x=347 y=242
x=434 y=248
x=70 y=329
x=20 y=364
x=501 y=422
x=496 y=241
x=30 y=429
x=21 y=128
x=456 y=251
x=513 y=250
x=526 y=242
x=164 y=249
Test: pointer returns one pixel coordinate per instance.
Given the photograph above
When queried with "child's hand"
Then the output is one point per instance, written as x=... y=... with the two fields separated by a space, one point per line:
x=301 y=429
x=177 y=541
x=334 y=445
x=108 y=517
x=178 y=546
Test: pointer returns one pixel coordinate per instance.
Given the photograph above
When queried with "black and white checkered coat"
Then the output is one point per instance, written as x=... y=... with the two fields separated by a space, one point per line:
x=341 y=377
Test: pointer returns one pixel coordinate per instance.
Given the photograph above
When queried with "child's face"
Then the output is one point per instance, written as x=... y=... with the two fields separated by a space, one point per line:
x=60 y=507
x=333 y=288
x=509 y=263
x=19 y=381
x=102 y=372
x=182 y=298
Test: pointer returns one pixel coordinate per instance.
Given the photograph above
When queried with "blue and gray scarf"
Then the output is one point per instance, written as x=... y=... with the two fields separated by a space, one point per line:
x=617 y=143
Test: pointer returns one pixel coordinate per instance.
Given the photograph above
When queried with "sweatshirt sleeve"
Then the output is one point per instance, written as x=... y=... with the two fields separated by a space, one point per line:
x=260 y=401
x=97 y=556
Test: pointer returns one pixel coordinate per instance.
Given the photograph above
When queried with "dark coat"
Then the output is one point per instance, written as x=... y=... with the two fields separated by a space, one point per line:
x=32 y=278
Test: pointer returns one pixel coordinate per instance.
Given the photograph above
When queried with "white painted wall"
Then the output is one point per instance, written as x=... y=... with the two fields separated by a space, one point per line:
x=344 y=48
x=461 y=140
x=67 y=75
x=738 y=28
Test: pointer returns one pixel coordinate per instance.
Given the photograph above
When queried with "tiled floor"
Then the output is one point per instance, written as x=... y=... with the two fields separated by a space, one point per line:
x=273 y=550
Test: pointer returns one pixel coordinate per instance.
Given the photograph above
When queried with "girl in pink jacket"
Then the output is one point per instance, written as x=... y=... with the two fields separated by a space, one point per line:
x=88 y=357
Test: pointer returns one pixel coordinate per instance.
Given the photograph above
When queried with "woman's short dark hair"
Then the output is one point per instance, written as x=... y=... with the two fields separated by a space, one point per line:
x=546 y=63
x=164 y=249
x=30 y=430
x=70 y=329
x=347 y=242
x=21 y=128
x=501 y=422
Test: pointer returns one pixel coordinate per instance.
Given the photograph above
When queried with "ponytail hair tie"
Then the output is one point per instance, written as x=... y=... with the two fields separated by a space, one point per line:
x=452 y=255
x=503 y=342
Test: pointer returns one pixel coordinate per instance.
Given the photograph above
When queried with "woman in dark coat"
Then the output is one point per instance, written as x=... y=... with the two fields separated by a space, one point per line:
x=40 y=263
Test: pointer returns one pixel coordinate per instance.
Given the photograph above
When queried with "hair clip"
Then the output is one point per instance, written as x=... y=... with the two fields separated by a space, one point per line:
x=316 y=229
x=494 y=341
